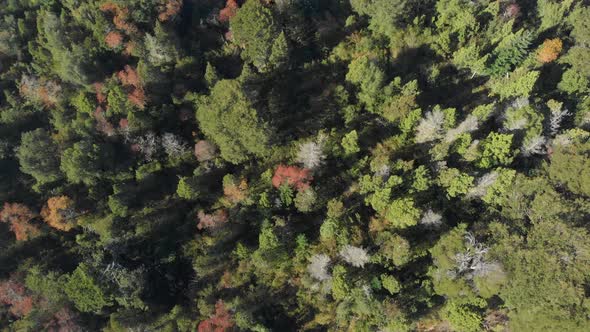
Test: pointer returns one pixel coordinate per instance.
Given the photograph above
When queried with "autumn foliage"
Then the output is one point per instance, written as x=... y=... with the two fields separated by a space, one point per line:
x=229 y=11
x=221 y=321
x=211 y=221
x=19 y=217
x=58 y=212
x=549 y=50
x=13 y=294
x=129 y=78
x=293 y=176
x=204 y=151
x=113 y=39
x=236 y=192
x=171 y=8
x=120 y=17
x=39 y=90
x=64 y=320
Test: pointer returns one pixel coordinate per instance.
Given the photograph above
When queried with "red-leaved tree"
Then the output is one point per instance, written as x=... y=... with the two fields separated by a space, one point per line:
x=19 y=217
x=229 y=11
x=211 y=221
x=171 y=8
x=14 y=294
x=221 y=321
x=293 y=176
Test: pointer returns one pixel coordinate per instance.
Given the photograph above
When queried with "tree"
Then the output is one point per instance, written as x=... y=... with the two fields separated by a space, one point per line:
x=519 y=83
x=570 y=167
x=229 y=11
x=455 y=182
x=205 y=151
x=255 y=29
x=350 y=143
x=545 y=284
x=86 y=162
x=228 y=119
x=220 y=321
x=496 y=150
x=38 y=156
x=19 y=216
x=59 y=213
x=212 y=221
x=311 y=153
x=293 y=176
x=15 y=295
x=318 y=267
x=354 y=256
x=83 y=289
x=402 y=213
x=550 y=50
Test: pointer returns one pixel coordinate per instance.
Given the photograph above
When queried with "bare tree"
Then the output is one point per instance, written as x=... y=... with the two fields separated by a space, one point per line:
x=483 y=183
x=310 y=154
x=468 y=125
x=431 y=219
x=472 y=262
x=318 y=267
x=148 y=145
x=534 y=145
x=556 y=119
x=430 y=127
x=173 y=145
x=354 y=256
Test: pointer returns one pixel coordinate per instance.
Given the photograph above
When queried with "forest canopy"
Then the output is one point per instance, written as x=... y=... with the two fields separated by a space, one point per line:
x=294 y=165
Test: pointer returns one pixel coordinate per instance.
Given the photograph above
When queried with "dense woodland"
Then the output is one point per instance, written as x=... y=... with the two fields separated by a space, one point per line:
x=294 y=165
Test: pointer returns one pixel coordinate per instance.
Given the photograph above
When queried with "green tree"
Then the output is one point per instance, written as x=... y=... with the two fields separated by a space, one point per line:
x=570 y=166
x=350 y=143
x=228 y=118
x=496 y=150
x=254 y=29
x=86 y=162
x=402 y=213
x=84 y=290
x=38 y=156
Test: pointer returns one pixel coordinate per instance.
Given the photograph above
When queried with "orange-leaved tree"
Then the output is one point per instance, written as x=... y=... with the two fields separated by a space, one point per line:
x=550 y=50
x=59 y=213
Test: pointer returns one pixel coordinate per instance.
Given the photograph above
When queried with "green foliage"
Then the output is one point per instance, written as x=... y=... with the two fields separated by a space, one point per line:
x=86 y=162
x=187 y=188
x=350 y=143
x=228 y=119
x=455 y=182
x=255 y=29
x=545 y=292
x=570 y=167
x=390 y=283
x=83 y=289
x=38 y=156
x=510 y=52
x=496 y=150
x=519 y=83
x=461 y=318
x=402 y=213
x=340 y=288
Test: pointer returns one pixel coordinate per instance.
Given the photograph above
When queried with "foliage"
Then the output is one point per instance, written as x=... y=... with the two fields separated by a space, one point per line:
x=228 y=119
x=59 y=213
x=38 y=156
x=278 y=165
